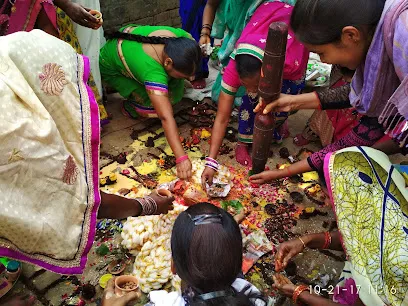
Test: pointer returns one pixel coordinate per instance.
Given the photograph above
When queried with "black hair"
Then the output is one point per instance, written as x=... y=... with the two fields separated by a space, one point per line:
x=320 y=22
x=208 y=257
x=248 y=65
x=184 y=52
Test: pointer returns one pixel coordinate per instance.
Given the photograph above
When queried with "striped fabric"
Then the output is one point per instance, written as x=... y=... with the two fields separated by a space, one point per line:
x=228 y=89
x=158 y=89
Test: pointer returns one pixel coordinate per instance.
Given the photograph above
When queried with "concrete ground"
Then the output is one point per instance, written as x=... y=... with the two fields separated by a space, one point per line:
x=313 y=266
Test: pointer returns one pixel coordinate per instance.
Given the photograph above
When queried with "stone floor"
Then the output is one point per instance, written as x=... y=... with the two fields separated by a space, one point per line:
x=116 y=138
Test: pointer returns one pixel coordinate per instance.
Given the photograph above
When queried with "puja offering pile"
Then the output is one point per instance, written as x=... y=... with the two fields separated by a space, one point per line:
x=191 y=192
x=129 y=286
x=148 y=238
x=267 y=214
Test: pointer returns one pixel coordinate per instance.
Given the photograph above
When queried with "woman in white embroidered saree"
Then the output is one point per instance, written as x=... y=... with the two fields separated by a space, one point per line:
x=49 y=154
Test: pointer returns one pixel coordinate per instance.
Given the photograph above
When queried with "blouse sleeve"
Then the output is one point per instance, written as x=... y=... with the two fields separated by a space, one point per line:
x=336 y=98
x=156 y=83
x=230 y=79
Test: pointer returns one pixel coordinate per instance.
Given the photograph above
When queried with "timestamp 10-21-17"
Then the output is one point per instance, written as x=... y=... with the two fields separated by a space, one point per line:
x=338 y=290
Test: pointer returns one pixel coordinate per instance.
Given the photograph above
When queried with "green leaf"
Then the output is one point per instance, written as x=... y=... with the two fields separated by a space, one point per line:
x=102 y=250
x=237 y=205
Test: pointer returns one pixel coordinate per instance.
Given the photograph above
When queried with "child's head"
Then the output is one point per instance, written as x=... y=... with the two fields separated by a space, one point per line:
x=206 y=246
x=249 y=71
x=339 y=31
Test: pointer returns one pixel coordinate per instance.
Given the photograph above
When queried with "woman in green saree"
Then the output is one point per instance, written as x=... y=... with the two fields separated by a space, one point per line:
x=148 y=65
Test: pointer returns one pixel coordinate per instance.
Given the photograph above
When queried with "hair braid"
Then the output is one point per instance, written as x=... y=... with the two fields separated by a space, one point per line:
x=184 y=52
x=154 y=40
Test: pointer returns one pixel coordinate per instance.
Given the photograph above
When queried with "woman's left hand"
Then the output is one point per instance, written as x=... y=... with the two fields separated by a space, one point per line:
x=184 y=169
x=283 y=284
x=265 y=177
x=82 y=16
x=285 y=103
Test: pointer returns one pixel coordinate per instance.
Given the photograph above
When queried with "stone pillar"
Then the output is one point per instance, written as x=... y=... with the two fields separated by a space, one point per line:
x=270 y=85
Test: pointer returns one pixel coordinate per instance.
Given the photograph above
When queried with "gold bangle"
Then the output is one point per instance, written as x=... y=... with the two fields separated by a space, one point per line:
x=304 y=244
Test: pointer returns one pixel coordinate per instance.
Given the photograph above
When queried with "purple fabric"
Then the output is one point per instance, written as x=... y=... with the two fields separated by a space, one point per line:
x=95 y=142
x=380 y=85
x=348 y=294
x=4 y=284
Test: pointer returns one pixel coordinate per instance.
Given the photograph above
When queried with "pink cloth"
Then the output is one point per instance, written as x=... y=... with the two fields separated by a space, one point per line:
x=231 y=77
x=344 y=120
x=255 y=34
x=26 y=13
x=347 y=294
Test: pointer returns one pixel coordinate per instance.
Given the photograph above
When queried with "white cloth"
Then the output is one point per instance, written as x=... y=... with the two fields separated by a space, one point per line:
x=91 y=41
x=164 y=298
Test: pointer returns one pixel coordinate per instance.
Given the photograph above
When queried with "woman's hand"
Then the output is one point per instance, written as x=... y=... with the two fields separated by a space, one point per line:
x=285 y=103
x=283 y=284
x=288 y=103
x=266 y=177
x=164 y=204
x=286 y=252
x=81 y=16
x=184 y=169
x=207 y=177
x=110 y=298
x=205 y=39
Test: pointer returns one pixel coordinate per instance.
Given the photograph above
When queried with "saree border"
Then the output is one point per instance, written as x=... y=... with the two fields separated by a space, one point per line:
x=90 y=142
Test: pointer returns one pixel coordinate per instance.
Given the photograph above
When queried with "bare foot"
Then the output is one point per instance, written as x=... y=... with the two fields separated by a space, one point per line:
x=300 y=141
x=242 y=155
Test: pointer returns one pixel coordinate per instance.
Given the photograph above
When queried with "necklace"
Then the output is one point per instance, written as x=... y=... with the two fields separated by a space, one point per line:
x=158 y=57
x=252 y=95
